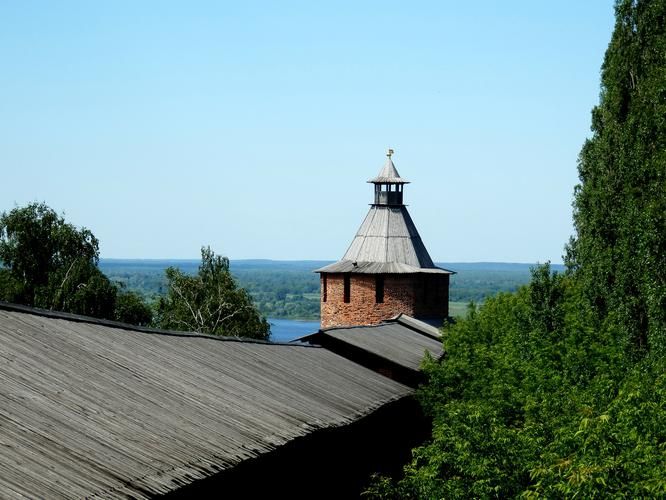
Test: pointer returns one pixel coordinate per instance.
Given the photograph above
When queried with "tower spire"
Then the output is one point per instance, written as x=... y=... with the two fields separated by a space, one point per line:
x=388 y=183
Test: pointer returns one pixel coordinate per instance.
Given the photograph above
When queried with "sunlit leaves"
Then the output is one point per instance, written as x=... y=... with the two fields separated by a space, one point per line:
x=209 y=302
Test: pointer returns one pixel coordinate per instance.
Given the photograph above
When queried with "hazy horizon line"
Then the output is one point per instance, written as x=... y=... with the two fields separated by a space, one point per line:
x=157 y=259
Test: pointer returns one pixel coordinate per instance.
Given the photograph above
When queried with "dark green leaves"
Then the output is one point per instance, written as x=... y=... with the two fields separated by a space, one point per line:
x=51 y=264
x=43 y=255
x=533 y=400
x=619 y=252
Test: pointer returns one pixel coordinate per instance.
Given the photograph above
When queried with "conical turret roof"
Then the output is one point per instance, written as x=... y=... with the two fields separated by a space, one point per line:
x=389 y=174
x=386 y=242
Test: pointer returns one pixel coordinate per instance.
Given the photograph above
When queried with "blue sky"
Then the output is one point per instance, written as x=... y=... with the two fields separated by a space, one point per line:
x=252 y=127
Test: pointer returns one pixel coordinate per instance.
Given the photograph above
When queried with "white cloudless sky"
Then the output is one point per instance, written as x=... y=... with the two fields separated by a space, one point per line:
x=252 y=127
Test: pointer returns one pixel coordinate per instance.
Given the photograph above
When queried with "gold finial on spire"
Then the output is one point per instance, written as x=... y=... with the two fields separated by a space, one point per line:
x=389 y=153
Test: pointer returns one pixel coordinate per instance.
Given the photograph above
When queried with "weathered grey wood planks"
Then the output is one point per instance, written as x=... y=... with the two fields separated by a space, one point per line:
x=88 y=409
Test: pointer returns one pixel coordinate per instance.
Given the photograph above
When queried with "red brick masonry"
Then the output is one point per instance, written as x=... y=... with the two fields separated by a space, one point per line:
x=418 y=295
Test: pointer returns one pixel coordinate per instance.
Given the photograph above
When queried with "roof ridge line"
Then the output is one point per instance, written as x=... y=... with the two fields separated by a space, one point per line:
x=79 y=318
x=364 y=237
x=384 y=322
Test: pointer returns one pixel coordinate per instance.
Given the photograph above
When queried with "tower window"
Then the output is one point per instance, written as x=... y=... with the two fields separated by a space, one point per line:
x=430 y=290
x=434 y=285
x=379 y=289
x=347 y=288
x=324 y=278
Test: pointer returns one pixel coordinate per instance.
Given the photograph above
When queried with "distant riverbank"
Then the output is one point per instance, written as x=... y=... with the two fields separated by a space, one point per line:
x=289 y=289
x=286 y=330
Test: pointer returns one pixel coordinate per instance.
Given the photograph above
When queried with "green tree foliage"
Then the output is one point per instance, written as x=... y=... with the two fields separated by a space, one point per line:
x=49 y=263
x=265 y=282
x=559 y=390
x=52 y=264
x=209 y=302
x=132 y=309
x=619 y=252
x=524 y=409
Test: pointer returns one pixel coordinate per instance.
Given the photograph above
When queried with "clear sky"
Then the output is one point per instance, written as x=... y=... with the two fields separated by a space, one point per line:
x=252 y=127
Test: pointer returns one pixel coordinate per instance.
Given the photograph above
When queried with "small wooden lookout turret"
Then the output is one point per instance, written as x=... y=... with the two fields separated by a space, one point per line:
x=386 y=269
x=388 y=184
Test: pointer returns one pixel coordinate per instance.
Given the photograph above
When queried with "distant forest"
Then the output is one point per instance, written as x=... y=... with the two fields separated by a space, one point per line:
x=289 y=289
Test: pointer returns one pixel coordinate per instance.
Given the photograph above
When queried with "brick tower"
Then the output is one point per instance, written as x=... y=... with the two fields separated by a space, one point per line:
x=386 y=269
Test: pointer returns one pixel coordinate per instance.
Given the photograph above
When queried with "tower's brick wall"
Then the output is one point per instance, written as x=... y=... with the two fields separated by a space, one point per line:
x=418 y=295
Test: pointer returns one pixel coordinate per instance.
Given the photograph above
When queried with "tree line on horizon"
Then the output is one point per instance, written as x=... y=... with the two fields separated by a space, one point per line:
x=48 y=263
x=559 y=390
x=283 y=290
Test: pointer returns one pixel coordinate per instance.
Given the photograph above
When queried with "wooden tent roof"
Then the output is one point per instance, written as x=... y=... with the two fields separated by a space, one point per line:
x=386 y=242
x=96 y=409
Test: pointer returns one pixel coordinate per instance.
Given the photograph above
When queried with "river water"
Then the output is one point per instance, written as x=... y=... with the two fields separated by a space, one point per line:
x=284 y=330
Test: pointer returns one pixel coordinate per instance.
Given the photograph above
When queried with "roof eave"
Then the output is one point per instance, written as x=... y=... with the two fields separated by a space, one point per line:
x=388 y=180
x=346 y=266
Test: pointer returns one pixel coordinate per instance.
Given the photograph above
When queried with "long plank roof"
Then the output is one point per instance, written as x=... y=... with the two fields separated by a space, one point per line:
x=96 y=409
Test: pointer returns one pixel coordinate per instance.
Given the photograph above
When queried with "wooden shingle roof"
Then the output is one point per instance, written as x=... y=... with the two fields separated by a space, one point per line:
x=95 y=409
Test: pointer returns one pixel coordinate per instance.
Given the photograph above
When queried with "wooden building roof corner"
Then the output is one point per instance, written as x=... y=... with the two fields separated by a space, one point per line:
x=395 y=348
